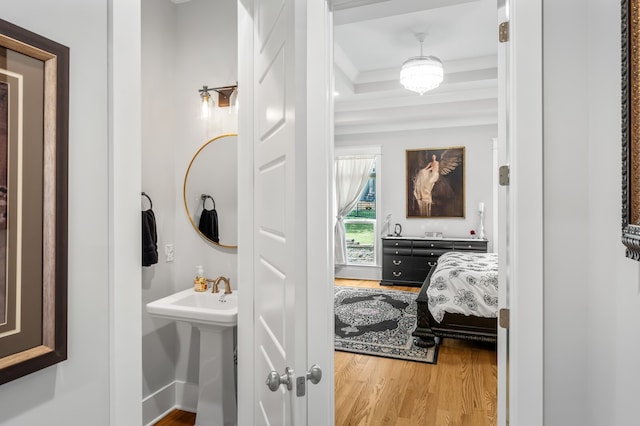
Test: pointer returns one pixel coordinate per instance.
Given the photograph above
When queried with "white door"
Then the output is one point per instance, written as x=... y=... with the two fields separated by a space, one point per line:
x=279 y=148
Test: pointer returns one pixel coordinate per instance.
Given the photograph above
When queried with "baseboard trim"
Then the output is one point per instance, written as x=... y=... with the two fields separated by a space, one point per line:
x=186 y=396
x=360 y=272
x=176 y=395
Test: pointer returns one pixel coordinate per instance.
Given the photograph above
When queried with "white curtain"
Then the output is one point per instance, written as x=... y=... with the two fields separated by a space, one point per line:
x=352 y=174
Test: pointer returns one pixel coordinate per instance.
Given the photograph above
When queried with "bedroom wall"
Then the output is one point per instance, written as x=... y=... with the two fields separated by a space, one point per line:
x=478 y=144
x=592 y=292
x=184 y=48
x=77 y=388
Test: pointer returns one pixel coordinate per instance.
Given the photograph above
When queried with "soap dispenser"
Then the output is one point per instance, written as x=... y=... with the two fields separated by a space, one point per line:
x=199 y=281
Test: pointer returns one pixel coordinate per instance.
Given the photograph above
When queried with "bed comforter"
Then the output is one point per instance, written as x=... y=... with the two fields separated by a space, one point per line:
x=464 y=283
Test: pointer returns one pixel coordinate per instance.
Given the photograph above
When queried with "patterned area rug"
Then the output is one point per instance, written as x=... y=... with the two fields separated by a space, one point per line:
x=378 y=322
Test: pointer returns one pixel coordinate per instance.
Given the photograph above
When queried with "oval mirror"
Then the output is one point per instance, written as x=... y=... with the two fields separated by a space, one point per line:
x=210 y=191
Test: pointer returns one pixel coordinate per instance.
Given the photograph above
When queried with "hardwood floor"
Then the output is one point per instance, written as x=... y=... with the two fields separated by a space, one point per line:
x=460 y=390
x=178 y=418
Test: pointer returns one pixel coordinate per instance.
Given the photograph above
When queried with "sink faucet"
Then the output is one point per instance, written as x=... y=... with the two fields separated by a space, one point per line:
x=227 y=285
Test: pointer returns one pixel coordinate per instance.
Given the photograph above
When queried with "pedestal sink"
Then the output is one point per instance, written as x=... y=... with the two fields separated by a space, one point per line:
x=215 y=315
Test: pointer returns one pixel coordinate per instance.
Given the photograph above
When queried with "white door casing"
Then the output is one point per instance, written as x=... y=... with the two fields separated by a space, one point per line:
x=125 y=271
x=521 y=235
x=320 y=154
x=284 y=157
x=520 y=381
x=501 y=236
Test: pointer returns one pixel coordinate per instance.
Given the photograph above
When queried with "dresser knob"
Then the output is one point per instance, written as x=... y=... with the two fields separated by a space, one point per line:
x=396 y=274
x=431 y=263
x=431 y=244
x=397 y=262
x=432 y=254
x=396 y=251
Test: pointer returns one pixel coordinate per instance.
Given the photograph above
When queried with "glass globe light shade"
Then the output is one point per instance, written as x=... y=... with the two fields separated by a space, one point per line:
x=206 y=104
x=421 y=73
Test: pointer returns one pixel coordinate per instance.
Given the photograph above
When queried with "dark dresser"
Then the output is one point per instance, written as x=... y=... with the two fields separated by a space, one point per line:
x=408 y=260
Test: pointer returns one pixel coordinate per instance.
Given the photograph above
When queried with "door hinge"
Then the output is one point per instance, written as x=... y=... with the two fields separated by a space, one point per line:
x=503 y=32
x=504 y=175
x=503 y=317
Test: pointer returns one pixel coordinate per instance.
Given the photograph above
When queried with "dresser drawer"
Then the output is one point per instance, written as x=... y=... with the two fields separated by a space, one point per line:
x=428 y=252
x=471 y=245
x=407 y=269
x=396 y=243
x=395 y=251
x=433 y=244
x=410 y=275
x=408 y=262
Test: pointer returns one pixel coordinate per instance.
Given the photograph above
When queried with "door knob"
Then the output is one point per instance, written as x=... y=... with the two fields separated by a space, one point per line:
x=274 y=380
x=314 y=375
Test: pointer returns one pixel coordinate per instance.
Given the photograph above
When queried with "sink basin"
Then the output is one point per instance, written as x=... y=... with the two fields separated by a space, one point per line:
x=198 y=308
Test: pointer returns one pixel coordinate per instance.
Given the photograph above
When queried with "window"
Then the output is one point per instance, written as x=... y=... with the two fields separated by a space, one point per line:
x=360 y=227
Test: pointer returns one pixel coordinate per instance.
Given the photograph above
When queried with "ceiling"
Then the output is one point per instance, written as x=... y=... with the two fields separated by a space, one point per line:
x=371 y=42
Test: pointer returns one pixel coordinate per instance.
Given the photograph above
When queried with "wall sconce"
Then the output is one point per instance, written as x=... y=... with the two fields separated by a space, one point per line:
x=227 y=97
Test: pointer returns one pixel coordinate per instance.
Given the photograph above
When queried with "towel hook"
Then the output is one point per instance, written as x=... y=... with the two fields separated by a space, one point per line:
x=204 y=200
x=144 y=194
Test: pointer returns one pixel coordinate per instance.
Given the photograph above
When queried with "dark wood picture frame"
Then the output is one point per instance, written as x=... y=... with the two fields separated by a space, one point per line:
x=439 y=194
x=630 y=128
x=45 y=252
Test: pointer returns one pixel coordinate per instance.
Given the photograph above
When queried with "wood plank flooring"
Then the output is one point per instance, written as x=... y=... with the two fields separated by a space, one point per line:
x=178 y=418
x=460 y=390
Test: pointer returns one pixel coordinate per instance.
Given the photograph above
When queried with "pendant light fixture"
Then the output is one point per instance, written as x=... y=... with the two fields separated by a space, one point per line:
x=421 y=73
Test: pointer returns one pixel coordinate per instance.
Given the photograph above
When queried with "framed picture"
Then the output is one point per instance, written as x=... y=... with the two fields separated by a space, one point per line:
x=631 y=128
x=34 y=105
x=435 y=182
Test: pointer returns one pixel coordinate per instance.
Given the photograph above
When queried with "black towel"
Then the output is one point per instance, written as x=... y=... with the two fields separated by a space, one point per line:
x=209 y=224
x=149 y=238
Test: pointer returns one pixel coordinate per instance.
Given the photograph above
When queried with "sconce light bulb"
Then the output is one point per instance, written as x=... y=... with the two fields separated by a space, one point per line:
x=233 y=102
x=205 y=107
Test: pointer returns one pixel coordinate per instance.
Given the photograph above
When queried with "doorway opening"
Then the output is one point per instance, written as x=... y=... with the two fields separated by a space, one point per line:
x=371 y=107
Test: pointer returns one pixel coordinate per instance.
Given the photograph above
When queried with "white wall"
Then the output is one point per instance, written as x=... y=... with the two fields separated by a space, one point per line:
x=478 y=144
x=79 y=387
x=612 y=357
x=185 y=46
x=566 y=214
x=592 y=300
x=206 y=54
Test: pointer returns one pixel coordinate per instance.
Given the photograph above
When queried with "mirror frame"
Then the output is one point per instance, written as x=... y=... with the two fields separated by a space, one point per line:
x=184 y=191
